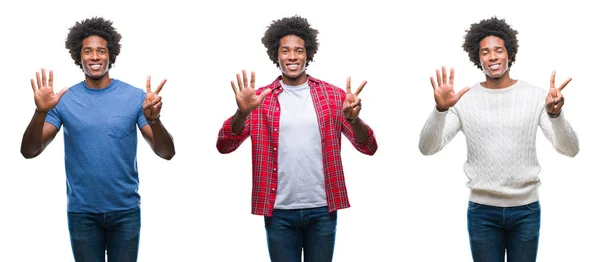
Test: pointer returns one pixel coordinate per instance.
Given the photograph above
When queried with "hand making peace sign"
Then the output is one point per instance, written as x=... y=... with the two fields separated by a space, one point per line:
x=153 y=103
x=352 y=104
x=554 y=99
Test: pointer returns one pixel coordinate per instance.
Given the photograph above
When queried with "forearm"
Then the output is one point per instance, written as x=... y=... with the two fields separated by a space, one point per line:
x=162 y=143
x=32 y=144
x=360 y=131
x=238 y=121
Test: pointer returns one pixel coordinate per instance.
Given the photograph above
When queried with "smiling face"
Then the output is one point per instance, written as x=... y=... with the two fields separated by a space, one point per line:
x=95 y=61
x=292 y=60
x=493 y=57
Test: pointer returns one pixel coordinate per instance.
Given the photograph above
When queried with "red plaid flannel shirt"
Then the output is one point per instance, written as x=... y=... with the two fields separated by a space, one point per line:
x=262 y=125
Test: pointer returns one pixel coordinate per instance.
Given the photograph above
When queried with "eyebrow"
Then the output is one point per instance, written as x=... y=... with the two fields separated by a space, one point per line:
x=495 y=47
x=89 y=47
x=288 y=47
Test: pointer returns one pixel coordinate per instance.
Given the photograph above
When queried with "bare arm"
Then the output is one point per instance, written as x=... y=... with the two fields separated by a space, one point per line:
x=37 y=136
x=155 y=133
x=159 y=139
x=39 y=133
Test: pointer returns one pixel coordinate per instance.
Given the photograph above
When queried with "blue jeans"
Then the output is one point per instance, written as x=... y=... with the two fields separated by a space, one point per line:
x=494 y=230
x=311 y=229
x=117 y=233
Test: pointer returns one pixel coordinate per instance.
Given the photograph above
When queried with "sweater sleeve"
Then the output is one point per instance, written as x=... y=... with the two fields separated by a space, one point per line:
x=560 y=133
x=439 y=129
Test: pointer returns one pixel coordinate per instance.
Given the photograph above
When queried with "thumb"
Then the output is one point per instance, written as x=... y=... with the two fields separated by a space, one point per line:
x=62 y=92
x=463 y=91
x=264 y=93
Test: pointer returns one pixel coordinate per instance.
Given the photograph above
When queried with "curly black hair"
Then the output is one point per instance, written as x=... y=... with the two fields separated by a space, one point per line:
x=93 y=26
x=493 y=26
x=294 y=25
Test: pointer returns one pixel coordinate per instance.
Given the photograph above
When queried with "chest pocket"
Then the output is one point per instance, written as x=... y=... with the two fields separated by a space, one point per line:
x=121 y=126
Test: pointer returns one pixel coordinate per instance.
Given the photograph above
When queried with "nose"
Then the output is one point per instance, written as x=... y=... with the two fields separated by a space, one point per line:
x=293 y=55
x=493 y=56
x=95 y=55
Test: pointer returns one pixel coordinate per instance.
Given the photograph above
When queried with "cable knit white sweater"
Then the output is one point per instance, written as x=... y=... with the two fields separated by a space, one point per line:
x=500 y=127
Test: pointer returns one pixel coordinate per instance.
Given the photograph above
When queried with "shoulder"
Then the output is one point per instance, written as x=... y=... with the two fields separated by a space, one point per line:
x=128 y=88
x=273 y=85
x=474 y=91
x=325 y=86
x=72 y=92
x=525 y=86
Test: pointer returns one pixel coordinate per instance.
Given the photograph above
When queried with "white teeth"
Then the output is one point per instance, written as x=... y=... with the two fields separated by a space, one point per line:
x=95 y=67
x=292 y=67
x=494 y=67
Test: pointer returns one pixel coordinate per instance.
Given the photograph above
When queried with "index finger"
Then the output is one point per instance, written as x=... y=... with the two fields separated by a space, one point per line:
x=33 y=85
x=160 y=86
x=348 y=90
x=148 y=90
x=360 y=88
x=552 y=79
x=564 y=84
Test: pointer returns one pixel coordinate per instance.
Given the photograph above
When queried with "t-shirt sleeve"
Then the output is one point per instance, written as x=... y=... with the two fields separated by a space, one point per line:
x=53 y=117
x=141 y=122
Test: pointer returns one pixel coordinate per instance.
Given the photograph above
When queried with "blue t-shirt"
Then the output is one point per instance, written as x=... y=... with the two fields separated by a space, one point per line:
x=100 y=145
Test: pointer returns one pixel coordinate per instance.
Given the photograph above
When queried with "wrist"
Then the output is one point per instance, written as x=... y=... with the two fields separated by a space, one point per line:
x=153 y=121
x=352 y=121
x=37 y=111
x=550 y=115
x=441 y=109
x=242 y=114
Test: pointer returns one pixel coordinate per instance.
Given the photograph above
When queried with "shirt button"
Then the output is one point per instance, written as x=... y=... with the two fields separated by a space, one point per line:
x=275 y=149
x=274 y=169
x=275 y=129
x=277 y=109
x=272 y=189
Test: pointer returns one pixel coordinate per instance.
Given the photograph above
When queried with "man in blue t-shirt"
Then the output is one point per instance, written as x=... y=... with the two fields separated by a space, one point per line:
x=98 y=116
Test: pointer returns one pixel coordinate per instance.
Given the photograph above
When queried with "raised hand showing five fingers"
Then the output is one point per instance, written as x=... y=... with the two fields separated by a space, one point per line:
x=245 y=95
x=443 y=91
x=153 y=103
x=555 y=99
x=352 y=104
x=43 y=91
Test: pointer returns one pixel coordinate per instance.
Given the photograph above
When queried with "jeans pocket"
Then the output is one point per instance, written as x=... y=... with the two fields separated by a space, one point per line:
x=473 y=205
x=534 y=206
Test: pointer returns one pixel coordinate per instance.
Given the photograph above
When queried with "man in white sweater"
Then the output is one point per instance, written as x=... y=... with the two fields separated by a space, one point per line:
x=499 y=118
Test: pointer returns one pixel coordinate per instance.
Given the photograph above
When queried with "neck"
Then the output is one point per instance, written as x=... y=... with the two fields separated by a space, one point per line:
x=498 y=83
x=301 y=79
x=98 y=83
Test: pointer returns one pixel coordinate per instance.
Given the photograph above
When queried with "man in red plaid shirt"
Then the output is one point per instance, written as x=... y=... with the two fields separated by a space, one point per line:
x=295 y=124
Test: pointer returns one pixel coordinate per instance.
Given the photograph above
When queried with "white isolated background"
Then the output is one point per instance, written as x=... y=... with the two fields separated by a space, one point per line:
x=196 y=207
